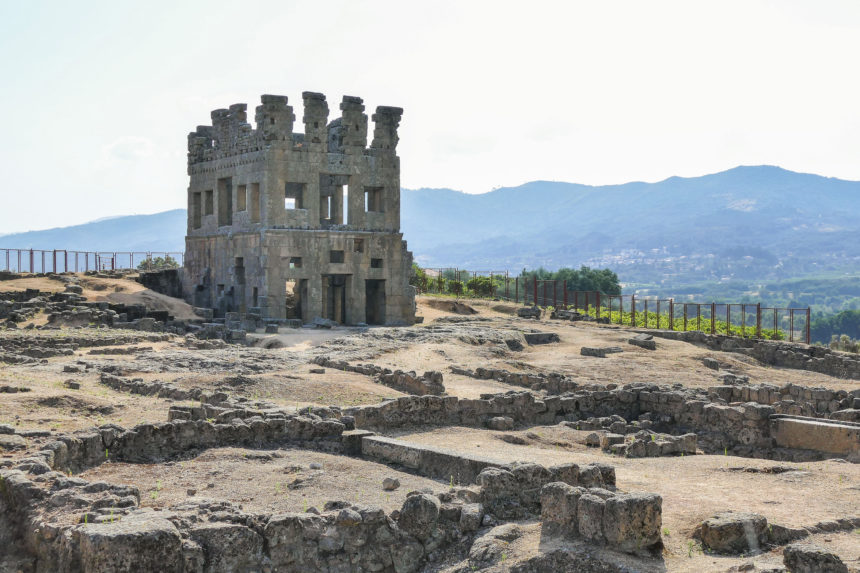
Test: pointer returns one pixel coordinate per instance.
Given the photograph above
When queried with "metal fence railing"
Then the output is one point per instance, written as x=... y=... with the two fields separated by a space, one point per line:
x=733 y=319
x=64 y=261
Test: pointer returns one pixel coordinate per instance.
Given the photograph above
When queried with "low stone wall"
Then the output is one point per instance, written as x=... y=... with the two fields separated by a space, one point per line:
x=430 y=382
x=109 y=532
x=775 y=352
x=551 y=382
x=794 y=399
x=433 y=462
x=834 y=437
x=735 y=533
x=645 y=444
x=154 y=388
x=56 y=522
x=625 y=522
x=514 y=491
x=157 y=442
x=742 y=428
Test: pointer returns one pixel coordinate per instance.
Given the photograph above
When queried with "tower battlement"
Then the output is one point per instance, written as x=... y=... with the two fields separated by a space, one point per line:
x=231 y=134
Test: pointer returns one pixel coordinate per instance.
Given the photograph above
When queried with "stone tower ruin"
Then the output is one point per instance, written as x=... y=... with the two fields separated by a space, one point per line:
x=298 y=225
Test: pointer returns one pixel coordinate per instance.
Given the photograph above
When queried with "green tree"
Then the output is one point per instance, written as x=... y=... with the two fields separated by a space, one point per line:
x=157 y=264
x=847 y=322
x=419 y=277
x=582 y=279
x=481 y=286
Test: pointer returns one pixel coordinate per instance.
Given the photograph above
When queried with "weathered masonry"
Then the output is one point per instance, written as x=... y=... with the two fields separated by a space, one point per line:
x=298 y=225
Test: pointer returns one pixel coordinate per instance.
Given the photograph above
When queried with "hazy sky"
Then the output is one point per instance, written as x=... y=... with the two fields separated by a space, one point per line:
x=99 y=96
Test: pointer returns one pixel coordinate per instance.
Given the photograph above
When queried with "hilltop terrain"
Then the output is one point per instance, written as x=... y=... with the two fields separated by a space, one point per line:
x=528 y=401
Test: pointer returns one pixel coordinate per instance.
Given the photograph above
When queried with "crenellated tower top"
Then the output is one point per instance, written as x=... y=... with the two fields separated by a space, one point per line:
x=231 y=134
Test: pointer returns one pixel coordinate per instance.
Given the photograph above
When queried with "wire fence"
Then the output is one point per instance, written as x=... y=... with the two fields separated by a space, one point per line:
x=62 y=261
x=733 y=319
x=745 y=319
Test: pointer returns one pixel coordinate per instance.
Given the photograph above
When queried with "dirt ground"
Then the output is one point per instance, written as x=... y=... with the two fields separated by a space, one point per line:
x=693 y=487
x=265 y=481
x=125 y=291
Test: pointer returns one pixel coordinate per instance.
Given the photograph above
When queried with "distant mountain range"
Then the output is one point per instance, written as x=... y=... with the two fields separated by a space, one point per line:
x=748 y=223
x=163 y=231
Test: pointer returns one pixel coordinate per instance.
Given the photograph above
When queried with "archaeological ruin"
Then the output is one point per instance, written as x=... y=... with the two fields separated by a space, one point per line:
x=298 y=225
x=262 y=425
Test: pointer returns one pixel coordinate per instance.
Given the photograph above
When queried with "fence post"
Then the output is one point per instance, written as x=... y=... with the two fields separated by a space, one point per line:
x=517 y=289
x=743 y=320
x=775 y=322
x=555 y=294
x=54 y=261
x=564 y=293
x=597 y=303
x=698 y=317
x=658 y=314
x=808 y=328
x=791 y=325
x=633 y=310
x=507 y=288
x=671 y=314
x=534 y=284
x=713 y=318
x=646 y=313
x=728 y=319
x=685 y=317
x=32 y=262
x=758 y=320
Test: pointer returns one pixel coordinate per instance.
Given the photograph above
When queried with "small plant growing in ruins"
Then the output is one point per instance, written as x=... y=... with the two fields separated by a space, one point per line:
x=107 y=453
x=691 y=547
x=666 y=531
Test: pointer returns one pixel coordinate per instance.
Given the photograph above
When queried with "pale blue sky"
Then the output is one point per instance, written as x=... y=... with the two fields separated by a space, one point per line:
x=99 y=96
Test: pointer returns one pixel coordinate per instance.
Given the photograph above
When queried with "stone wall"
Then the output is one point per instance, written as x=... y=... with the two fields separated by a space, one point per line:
x=794 y=399
x=625 y=522
x=741 y=428
x=61 y=523
x=162 y=441
x=65 y=524
x=167 y=281
x=776 y=353
x=551 y=382
x=430 y=382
